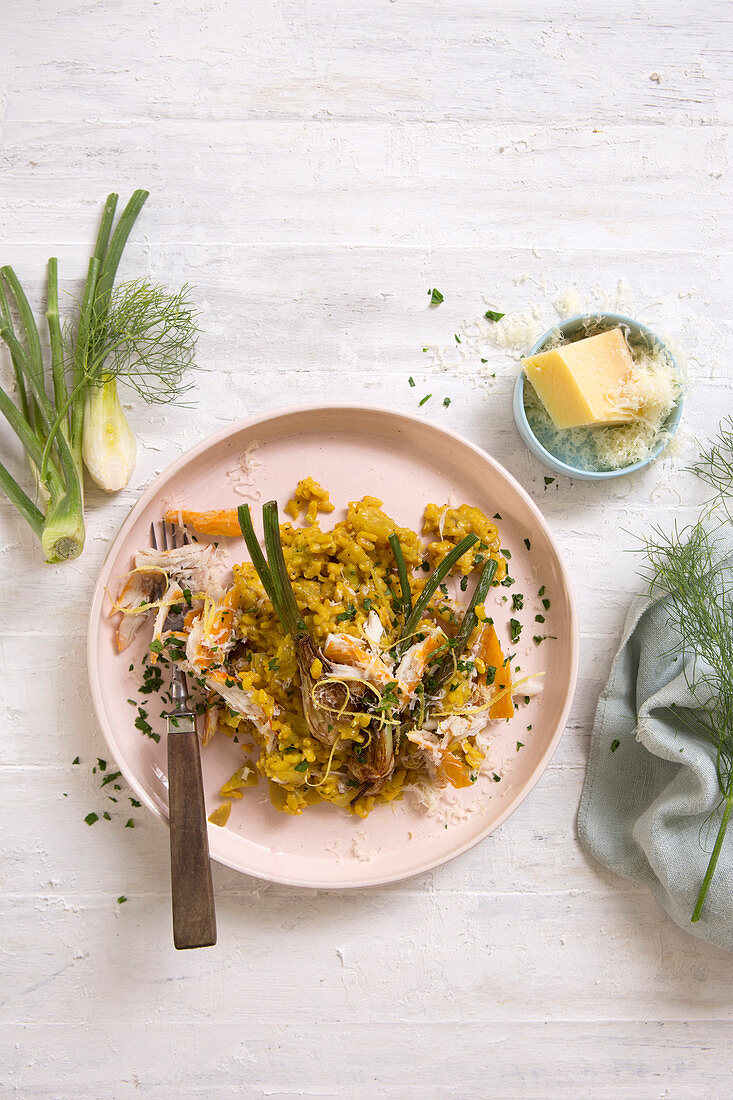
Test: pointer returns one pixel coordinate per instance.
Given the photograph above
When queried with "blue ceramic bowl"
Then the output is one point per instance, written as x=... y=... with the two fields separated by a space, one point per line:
x=638 y=334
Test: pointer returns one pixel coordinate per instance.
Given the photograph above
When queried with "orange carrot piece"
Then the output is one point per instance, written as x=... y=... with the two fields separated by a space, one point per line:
x=491 y=654
x=221 y=524
x=504 y=707
x=455 y=771
x=489 y=648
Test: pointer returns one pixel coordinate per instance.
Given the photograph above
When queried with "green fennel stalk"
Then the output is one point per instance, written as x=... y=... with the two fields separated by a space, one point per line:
x=138 y=333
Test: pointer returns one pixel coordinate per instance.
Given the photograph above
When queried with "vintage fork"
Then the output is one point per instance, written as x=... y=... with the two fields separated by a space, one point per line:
x=192 y=892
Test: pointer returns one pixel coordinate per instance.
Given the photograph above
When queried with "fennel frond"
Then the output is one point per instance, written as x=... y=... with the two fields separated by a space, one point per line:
x=145 y=339
x=687 y=568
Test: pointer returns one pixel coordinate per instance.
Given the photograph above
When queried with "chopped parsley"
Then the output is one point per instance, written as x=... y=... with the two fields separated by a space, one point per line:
x=425 y=398
x=347 y=616
x=615 y=744
x=302 y=766
x=515 y=629
x=492 y=315
x=508 y=581
x=539 y=618
x=517 y=601
x=129 y=824
x=549 y=481
x=75 y=760
x=520 y=745
x=457 y=337
x=538 y=639
x=496 y=778
x=91 y=818
x=527 y=544
x=464 y=584
x=546 y=605
x=490 y=674
x=121 y=899
x=446 y=401
x=411 y=380
x=435 y=297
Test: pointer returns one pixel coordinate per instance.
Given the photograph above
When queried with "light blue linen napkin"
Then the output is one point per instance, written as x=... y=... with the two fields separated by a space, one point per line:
x=647 y=801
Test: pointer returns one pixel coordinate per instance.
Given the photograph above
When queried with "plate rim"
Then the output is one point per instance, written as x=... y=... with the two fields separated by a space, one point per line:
x=95 y=619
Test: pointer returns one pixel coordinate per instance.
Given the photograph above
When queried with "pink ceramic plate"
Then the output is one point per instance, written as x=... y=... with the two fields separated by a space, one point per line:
x=405 y=462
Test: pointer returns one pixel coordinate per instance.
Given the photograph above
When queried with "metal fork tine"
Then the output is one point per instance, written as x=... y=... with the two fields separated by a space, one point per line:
x=152 y=536
x=186 y=539
x=173 y=536
x=165 y=536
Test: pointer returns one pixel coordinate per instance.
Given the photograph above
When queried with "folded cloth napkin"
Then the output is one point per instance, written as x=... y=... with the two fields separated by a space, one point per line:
x=650 y=804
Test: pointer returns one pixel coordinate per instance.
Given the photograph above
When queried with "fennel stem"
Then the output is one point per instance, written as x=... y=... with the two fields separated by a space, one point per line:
x=34 y=357
x=439 y=574
x=713 y=859
x=399 y=558
x=278 y=569
x=82 y=351
x=60 y=393
x=6 y=319
x=26 y=435
x=258 y=559
x=467 y=627
x=32 y=515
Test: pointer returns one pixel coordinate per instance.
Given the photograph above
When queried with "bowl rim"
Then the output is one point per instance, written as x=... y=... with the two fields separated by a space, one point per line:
x=557 y=464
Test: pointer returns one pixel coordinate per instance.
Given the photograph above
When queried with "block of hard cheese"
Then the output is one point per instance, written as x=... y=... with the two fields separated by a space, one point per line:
x=580 y=383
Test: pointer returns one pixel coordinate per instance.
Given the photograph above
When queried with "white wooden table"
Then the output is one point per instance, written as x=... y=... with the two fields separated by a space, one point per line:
x=316 y=166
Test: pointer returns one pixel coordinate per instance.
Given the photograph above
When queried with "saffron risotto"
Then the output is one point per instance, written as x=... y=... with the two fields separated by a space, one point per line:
x=339 y=576
x=352 y=602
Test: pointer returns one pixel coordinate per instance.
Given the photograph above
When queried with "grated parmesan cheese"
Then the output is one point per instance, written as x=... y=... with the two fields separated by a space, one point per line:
x=242 y=474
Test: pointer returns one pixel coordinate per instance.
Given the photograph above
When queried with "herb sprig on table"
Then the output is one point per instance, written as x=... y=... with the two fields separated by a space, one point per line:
x=687 y=568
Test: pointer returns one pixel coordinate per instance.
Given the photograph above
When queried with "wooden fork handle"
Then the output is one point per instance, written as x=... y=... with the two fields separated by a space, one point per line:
x=192 y=892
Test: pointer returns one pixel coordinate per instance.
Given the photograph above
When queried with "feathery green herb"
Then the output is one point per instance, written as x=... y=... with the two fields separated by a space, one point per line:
x=687 y=568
